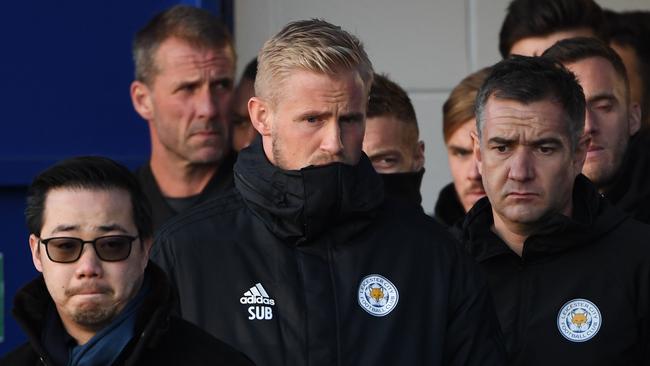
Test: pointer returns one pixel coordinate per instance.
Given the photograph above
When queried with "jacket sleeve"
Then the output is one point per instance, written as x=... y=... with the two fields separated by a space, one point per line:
x=473 y=332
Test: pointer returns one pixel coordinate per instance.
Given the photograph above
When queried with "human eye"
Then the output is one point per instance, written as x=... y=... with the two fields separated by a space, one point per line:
x=350 y=119
x=603 y=106
x=63 y=244
x=461 y=153
x=222 y=85
x=187 y=88
x=500 y=148
x=546 y=150
x=312 y=119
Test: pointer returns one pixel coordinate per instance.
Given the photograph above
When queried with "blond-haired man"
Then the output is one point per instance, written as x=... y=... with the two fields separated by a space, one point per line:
x=307 y=264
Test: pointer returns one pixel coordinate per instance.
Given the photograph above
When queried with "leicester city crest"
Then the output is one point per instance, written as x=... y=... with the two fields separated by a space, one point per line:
x=579 y=320
x=377 y=295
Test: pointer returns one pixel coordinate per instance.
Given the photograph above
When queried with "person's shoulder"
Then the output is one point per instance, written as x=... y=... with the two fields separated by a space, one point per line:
x=22 y=355
x=199 y=346
x=413 y=223
x=212 y=213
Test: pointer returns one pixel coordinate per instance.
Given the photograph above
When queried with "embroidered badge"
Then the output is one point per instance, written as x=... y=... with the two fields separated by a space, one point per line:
x=579 y=320
x=377 y=295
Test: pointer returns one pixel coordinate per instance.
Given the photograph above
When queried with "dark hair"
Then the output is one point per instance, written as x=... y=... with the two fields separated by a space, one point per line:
x=196 y=26
x=573 y=50
x=389 y=99
x=538 y=18
x=459 y=106
x=87 y=172
x=532 y=79
x=250 y=72
x=632 y=29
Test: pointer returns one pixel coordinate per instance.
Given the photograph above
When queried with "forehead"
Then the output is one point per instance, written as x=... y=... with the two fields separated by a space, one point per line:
x=597 y=75
x=462 y=135
x=177 y=54
x=386 y=131
x=504 y=117
x=87 y=208
x=310 y=89
x=536 y=45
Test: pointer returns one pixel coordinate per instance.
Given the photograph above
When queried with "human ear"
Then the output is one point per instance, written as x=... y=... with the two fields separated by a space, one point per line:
x=34 y=246
x=260 y=114
x=141 y=99
x=634 y=118
x=477 y=151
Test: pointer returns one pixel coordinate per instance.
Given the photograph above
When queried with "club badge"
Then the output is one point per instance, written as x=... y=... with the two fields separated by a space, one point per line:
x=579 y=320
x=377 y=295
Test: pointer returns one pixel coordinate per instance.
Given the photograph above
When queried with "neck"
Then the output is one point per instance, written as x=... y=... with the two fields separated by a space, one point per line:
x=514 y=235
x=181 y=179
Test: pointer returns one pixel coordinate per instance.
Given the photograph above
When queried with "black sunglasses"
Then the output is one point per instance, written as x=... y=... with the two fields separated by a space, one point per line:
x=111 y=248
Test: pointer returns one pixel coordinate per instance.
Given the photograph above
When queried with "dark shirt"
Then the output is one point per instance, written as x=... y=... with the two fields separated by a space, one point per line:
x=162 y=209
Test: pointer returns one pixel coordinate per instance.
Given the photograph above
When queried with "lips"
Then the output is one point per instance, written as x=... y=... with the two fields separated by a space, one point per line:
x=90 y=289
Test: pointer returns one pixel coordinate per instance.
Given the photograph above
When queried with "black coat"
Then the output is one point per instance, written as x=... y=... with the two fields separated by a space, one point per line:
x=161 y=339
x=161 y=211
x=599 y=255
x=449 y=211
x=311 y=267
x=630 y=191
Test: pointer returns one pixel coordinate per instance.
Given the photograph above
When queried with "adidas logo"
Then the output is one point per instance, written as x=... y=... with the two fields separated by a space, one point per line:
x=257 y=295
x=259 y=298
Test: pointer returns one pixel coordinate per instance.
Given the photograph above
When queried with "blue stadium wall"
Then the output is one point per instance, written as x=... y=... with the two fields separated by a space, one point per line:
x=66 y=71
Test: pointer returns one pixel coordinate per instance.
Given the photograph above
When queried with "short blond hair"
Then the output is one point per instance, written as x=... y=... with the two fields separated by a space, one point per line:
x=311 y=45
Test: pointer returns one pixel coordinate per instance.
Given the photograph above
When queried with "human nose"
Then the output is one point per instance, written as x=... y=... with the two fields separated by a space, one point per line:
x=521 y=166
x=473 y=173
x=591 y=123
x=89 y=264
x=206 y=104
x=332 y=140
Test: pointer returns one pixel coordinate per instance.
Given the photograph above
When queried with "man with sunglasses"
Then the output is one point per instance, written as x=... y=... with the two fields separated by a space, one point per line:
x=99 y=300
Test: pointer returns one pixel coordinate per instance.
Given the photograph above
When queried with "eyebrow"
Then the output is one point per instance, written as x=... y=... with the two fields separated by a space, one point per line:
x=602 y=96
x=102 y=228
x=501 y=141
x=460 y=148
x=547 y=141
x=353 y=116
x=539 y=142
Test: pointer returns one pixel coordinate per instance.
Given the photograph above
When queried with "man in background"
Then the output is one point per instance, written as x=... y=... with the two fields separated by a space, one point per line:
x=391 y=140
x=458 y=122
x=241 y=129
x=532 y=26
x=620 y=170
x=184 y=73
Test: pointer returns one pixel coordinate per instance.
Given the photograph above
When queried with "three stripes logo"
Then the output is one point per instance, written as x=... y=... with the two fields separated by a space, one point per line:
x=260 y=301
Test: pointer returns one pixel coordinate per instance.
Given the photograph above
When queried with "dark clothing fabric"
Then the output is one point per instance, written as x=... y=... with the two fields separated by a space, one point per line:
x=599 y=255
x=160 y=338
x=280 y=269
x=449 y=211
x=161 y=210
x=404 y=187
x=631 y=189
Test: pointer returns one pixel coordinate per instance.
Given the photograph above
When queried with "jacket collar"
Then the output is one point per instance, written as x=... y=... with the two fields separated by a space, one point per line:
x=449 y=210
x=592 y=218
x=404 y=187
x=31 y=305
x=630 y=190
x=299 y=205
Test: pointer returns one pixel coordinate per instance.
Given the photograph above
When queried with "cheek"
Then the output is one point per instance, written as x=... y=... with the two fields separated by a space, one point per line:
x=455 y=166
